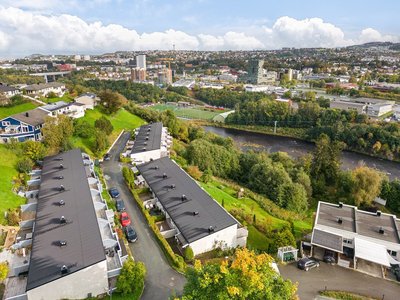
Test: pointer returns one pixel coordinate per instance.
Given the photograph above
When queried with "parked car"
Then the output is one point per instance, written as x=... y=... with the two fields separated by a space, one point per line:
x=329 y=257
x=107 y=156
x=120 y=205
x=125 y=220
x=307 y=263
x=114 y=192
x=130 y=233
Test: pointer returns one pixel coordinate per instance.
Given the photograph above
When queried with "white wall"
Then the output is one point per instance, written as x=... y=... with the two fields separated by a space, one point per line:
x=227 y=235
x=77 y=285
x=146 y=155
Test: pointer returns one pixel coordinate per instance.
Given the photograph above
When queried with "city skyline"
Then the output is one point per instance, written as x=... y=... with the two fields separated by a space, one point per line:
x=102 y=26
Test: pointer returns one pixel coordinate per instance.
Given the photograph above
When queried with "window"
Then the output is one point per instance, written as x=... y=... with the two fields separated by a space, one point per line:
x=392 y=253
x=347 y=241
x=5 y=123
x=37 y=127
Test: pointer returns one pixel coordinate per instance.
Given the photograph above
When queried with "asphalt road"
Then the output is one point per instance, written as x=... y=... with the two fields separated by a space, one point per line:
x=338 y=278
x=161 y=278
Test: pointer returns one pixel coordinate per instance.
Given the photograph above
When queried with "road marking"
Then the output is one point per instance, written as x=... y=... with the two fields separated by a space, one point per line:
x=172 y=278
x=106 y=177
x=171 y=284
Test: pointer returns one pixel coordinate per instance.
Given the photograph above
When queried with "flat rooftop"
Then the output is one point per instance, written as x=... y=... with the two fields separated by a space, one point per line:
x=193 y=227
x=329 y=215
x=81 y=231
x=368 y=224
x=149 y=137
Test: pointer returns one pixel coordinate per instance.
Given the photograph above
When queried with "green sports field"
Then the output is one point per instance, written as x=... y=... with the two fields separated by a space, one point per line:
x=195 y=114
x=162 y=107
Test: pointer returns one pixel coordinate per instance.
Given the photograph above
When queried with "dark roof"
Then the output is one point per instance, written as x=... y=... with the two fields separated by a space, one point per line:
x=193 y=227
x=329 y=215
x=90 y=95
x=327 y=240
x=35 y=116
x=154 y=138
x=81 y=232
x=6 y=88
x=55 y=105
x=368 y=224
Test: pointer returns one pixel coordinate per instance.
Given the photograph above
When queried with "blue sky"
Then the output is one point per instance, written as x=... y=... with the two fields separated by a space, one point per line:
x=97 y=26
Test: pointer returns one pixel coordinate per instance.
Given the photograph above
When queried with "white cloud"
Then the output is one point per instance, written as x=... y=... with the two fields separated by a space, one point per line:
x=230 y=41
x=28 y=32
x=372 y=35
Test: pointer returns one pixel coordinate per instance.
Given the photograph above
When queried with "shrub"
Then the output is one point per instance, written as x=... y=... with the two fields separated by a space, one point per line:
x=189 y=253
x=3 y=271
x=25 y=165
x=12 y=219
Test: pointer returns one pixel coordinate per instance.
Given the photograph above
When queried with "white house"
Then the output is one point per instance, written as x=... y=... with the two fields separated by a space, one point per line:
x=9 y=91
x=151 y=142
x=74 y=249
x=193 y=217
x=72 y=109
x=88 y=99
x=356 y=237
x=45 y=88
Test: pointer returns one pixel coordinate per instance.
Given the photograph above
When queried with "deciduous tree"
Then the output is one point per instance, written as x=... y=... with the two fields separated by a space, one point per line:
x=246 y=276
x=131 y=277
x=366 y=187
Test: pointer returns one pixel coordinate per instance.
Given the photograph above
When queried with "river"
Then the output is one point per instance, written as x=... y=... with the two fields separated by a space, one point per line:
x=295 y=147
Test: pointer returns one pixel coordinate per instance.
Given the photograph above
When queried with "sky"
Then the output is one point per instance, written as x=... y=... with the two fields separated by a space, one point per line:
x=101 y=26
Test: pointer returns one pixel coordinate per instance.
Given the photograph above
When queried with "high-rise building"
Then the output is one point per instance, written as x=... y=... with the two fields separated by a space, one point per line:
x=141 y=61
x=138 y=74
x=255 y=73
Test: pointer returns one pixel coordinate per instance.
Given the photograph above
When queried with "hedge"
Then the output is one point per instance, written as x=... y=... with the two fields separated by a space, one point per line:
x=176 y=261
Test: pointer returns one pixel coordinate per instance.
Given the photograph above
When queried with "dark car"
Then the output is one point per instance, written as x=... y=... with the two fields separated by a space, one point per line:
x=107 y=156
x=329 y=258
x=307 y=263
x=131 y=235
x=120 y=205
x=114 y=192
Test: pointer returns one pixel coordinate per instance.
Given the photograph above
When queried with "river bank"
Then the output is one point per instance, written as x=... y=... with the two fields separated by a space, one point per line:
x=296 y=146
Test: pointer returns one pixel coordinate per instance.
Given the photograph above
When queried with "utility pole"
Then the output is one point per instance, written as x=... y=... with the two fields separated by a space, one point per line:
x=275 y=127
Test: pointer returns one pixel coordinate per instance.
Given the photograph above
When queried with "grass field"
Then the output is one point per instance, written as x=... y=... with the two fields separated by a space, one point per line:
x=63 y=98
x=162 y=107
x=246 y=203
x=9 y=111
x=8 y=160
x=122 y=120
x=191 y=113
x=257 y=240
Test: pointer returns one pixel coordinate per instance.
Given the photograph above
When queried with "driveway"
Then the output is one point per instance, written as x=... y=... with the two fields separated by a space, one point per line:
x=338 y=278
x=161 y=278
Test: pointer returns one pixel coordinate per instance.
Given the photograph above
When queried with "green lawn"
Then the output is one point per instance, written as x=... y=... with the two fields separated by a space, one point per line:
x=162 y=107
x=195 y=114
x=246 y=203
x=257 y=240
x=122 y=120
x=8 y=161
x=9 y=111
x=64 y=98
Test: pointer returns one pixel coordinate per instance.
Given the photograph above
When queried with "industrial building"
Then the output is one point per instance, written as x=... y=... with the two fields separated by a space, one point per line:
x=371 y=107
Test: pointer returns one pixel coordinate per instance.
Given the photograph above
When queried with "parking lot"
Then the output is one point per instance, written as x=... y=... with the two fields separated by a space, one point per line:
x=338 y=278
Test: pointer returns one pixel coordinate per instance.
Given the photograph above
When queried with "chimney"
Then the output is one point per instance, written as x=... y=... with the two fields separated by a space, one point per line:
x=378 y=213
x=210 y=229
x=340 y=204
x=27 y=114
x=173 y=186
x=63 y=243
x=61 y=166
x=195 y=213
x=62 y=202
x=340 y=220
x=61 y=177
x=381 y=230
x=165 y=176
x=64 y=270
x=63 y=220
x=183 y=198
x=62 y=188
